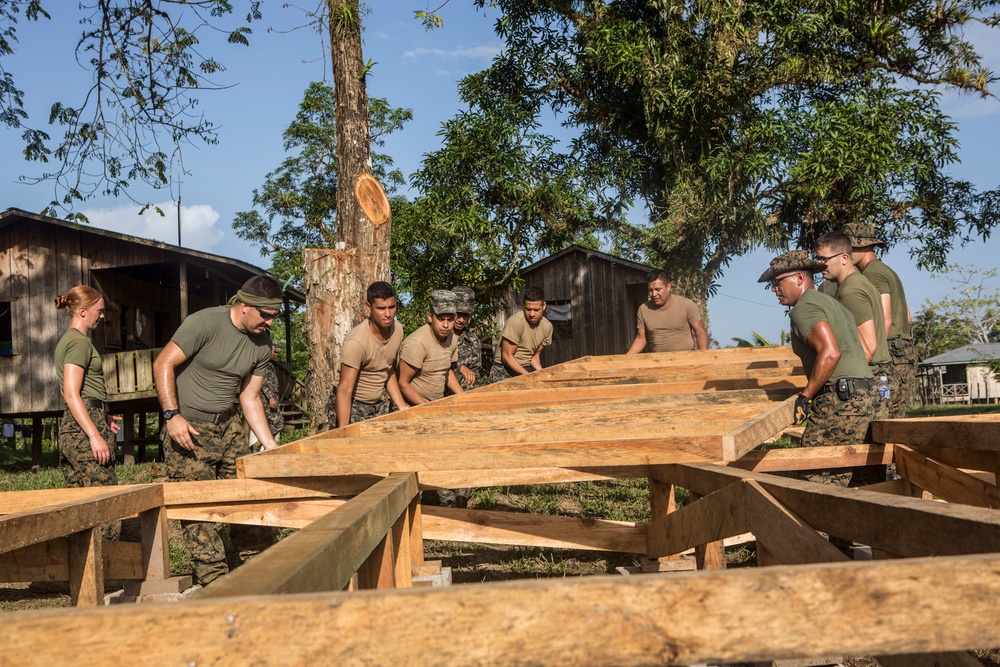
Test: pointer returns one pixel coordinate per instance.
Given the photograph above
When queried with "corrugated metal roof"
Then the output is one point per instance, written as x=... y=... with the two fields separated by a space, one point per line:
x=967 y=354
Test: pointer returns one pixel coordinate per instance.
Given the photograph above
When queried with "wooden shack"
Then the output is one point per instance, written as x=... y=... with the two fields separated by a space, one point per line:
x=962 y=375
x=592 y=301
x=150 y=287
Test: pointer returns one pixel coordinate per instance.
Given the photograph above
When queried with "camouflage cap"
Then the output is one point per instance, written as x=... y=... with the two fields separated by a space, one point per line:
x=443 y=302
x=465 y=299
x=794 y=260
x=861 y=234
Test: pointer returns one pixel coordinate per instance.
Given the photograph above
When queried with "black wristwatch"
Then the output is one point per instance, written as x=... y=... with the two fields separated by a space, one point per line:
x=170 y=414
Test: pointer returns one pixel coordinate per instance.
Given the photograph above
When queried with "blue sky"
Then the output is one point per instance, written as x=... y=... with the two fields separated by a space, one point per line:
x=415 y=69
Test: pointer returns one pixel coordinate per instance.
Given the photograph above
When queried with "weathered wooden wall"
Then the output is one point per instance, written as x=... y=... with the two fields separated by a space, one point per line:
x=604 y=295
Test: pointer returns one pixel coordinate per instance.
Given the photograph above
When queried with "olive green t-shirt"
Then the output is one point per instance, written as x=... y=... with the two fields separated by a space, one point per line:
x=668 y=328
x=219 y=356
x=77 y=349
x=813 y=308
x=432 y=359
x=886 y=281
x=374 y=359
x=861 y=298
x=527 y=338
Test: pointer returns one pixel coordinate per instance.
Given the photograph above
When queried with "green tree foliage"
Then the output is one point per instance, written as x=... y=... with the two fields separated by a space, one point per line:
x=970 y=314
x=760 y=122
x=296 y=207
x=496 y=196
x=147 y=62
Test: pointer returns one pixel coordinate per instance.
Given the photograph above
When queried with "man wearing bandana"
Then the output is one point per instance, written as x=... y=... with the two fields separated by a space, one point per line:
x=218 y=355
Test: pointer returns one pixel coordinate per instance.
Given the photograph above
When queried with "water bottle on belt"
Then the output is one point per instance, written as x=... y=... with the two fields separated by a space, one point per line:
x=883 y=387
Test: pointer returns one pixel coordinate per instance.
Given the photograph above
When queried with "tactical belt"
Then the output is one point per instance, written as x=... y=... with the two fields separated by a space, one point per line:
x=198 y=415
x=95 y=403
x=855 y=384
x=899 y=344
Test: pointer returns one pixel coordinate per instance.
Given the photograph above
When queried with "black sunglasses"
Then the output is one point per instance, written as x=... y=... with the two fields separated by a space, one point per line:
x=265 y=314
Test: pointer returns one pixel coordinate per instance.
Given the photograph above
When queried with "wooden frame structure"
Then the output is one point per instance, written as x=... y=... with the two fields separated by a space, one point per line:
x=686 y=419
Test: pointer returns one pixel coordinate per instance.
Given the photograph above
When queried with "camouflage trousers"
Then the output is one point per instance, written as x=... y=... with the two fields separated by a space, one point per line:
x=836 y=422
x=77 y=462
x=904 y=362
x=499 y=372
x=275 y=420
x=361 y=411
x=214 y=457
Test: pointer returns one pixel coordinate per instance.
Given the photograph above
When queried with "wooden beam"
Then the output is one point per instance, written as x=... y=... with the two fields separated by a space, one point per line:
x=22 y=529
x=944 y=481
x=932 y=529
x=326 y=554
x=375 y=573
x=49 y=561
x=756 y=430
x=787 y=539
x=784 y=612
x=444 y=523
x=947 y=432
x=709 y=519
x=644 y=451
x=814 y=458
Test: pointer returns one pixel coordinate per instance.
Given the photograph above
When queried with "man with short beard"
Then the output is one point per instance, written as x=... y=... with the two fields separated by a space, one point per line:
x=217 y=355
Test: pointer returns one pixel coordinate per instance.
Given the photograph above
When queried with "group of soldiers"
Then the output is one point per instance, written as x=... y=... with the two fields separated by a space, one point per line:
x=380 y=370
x=849 y=334
x=852 y=335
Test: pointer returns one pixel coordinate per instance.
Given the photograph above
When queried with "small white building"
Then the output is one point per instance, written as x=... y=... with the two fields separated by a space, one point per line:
x=961 y=375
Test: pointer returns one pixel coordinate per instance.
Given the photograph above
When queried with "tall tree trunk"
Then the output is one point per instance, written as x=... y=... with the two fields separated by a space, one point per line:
x=333 y=290
x=335 y=282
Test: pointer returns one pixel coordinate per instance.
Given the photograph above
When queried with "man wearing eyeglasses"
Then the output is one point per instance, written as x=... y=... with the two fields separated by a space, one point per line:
x=845 y=283
x=839 y=398
x=217 y=355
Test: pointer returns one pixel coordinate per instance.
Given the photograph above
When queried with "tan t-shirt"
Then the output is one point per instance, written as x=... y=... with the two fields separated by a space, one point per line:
x=668 y=328
x=528 y=339
x=373 y=358
x=431 y=358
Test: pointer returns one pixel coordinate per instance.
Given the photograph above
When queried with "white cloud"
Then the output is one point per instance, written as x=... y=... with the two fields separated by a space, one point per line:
x=484 y=52
x=198 y=223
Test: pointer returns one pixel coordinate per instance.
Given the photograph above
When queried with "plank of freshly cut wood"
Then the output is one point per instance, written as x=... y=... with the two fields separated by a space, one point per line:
x=666 y=374
x=22 y=529
x=665 y=435
x=555 y=454
x=479 y=413
x=539 y=530
x=944 y=481
x=707 y=356
x=49 y=561
x=326 y=554
x=814 y=458
x=712 y=518
x=375 y=573
x=951 y=432
x=757 y=429
x=622 y=410
x=402 y=559
x=932 y=529
x=86 y=568
x=787 y=539
x=964 y=458
x=680 y=619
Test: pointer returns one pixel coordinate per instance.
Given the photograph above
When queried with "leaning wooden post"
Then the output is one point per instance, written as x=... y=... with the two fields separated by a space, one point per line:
x=156 y=558
x=662 y=501
x=711 y=556
x=376 y=571
x=86 y=568
x=401 y=557
x=416 y=532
